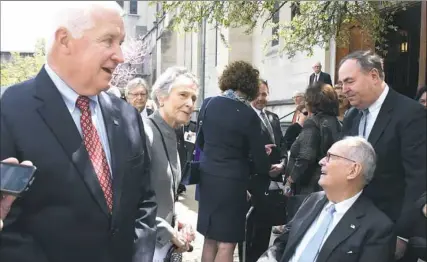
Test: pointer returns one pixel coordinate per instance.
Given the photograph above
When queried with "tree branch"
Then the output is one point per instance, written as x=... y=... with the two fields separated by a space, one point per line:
x=273 y=13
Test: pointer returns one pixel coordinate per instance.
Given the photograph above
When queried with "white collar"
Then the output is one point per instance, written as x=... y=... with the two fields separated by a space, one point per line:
x=378 y=103
x=257 y=110
x=343 y=206
x=68 y=94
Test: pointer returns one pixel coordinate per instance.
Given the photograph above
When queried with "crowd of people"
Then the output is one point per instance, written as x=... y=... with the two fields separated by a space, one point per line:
x=345 y=182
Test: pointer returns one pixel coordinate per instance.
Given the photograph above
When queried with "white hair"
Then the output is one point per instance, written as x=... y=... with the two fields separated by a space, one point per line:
x=362 y=152
x=299 y=93
x=134 y=83
x=76 y=17
x=168 y=79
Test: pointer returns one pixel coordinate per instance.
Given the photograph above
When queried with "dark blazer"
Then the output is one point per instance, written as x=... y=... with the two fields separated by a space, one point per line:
x=291 y=134
x=229 y=137
x=63 y=216
x=323 y=77
x=399 y=139
x=260 y=182
x=364 y=233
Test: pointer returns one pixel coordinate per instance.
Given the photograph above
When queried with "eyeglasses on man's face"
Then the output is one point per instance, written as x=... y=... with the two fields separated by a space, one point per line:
x=138 y=94
x=328 y=157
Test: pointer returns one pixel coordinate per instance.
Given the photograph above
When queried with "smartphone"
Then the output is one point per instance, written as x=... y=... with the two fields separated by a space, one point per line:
x=15 y=178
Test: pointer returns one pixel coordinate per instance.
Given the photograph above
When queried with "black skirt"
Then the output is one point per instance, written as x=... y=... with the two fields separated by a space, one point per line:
x=222 y=208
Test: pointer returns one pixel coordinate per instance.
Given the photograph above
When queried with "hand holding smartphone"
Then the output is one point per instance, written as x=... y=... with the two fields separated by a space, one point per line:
x=14 y=179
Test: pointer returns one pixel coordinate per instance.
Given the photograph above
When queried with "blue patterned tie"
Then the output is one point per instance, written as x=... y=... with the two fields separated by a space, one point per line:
x=363 y=123
x=313 y=248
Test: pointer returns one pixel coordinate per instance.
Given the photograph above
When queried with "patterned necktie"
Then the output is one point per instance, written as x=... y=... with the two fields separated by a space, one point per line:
x=313 y=248
x=94 y=148
x=268 y=125
x=363 y=123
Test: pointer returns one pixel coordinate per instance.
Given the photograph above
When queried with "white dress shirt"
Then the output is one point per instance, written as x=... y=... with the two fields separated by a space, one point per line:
x=259 y=114
x=374 y=110
x=70 y=98
x=341 y=208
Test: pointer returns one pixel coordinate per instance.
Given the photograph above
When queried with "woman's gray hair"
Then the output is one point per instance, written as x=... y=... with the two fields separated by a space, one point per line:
x=168 y=79
x=362 y=152
x=134 y=83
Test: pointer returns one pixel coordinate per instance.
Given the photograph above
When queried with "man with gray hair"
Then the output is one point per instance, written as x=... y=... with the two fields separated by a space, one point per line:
x=136 y=93
x=92 y=198
x=339 y=223
x=319 y=76
x=396 y=127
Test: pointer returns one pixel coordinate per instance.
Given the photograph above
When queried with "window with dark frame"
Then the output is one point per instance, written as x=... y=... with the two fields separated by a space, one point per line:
x=133 y=7
x=275 y=19
x=295 y=9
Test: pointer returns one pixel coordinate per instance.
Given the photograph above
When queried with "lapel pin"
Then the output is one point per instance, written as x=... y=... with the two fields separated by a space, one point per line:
x=350 y=252
x=352 y=226
x=116 y=122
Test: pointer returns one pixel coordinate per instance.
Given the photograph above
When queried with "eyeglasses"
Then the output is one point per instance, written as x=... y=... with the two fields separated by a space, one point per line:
x=138 y=94
x=328 y=157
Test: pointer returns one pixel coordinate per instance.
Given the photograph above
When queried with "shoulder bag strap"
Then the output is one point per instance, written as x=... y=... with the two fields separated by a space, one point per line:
x=170 y=165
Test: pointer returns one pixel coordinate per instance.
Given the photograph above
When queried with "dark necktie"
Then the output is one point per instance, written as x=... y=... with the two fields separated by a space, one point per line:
x=268 y=125
x=95 y=150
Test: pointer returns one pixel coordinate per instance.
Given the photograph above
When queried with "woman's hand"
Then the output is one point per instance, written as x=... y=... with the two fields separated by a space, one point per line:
x=187 y=230
x=180 y=242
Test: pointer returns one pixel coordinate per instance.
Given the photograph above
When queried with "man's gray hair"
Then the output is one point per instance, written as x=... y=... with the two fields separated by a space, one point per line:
x=76 y=17
x=168 y=79
x=134 y=83
x=362 y=152
x=367 y=61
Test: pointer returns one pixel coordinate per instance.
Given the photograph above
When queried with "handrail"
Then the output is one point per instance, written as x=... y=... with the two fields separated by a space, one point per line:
x=287 y=114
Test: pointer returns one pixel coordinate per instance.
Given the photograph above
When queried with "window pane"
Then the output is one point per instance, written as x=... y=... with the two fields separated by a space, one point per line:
x=133 y=7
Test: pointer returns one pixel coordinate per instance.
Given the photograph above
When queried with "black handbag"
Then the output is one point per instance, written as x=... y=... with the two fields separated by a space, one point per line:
x=270 y=207
x=191 y=173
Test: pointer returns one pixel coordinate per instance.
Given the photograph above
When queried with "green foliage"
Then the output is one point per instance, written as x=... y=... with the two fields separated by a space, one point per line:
x=21 y=68
x=314 y=23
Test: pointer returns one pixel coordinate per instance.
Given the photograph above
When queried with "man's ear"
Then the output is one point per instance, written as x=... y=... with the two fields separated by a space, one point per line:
x=63 y=40
x=356 y=171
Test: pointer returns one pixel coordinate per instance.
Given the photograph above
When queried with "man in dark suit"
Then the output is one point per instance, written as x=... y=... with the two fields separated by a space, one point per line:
x=91 y=199
x=136 y=93
x=339 y=223
x=319 y=76
x=395 y=125
x=260 y=223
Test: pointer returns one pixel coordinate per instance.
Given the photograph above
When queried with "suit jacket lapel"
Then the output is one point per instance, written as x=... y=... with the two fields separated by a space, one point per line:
x=57 y=117
x=112 y=124
x=348 y=224
x=298 y=230
x=383 y=118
